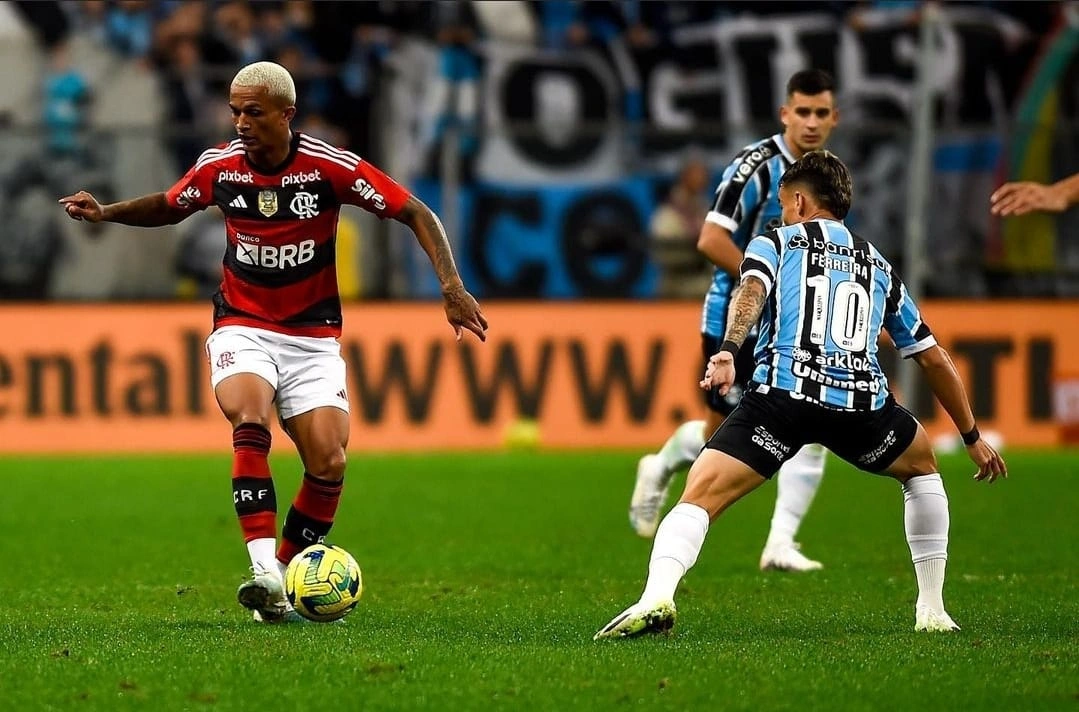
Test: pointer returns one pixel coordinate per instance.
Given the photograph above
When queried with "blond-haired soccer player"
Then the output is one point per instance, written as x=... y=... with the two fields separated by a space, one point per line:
x=277 y=316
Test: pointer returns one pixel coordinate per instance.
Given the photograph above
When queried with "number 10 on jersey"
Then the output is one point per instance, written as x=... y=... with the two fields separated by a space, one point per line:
x=844 y=313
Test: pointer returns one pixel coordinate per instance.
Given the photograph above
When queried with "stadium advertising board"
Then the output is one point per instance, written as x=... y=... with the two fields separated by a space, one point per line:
x=129 y=378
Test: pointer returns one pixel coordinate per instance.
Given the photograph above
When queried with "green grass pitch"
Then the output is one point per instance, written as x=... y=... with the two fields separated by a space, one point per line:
x=487 y=574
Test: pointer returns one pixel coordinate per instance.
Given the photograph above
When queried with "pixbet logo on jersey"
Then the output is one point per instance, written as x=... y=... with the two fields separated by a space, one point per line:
x=235 y=177
x=300 y=178
x=274 y=257
x=368 y=192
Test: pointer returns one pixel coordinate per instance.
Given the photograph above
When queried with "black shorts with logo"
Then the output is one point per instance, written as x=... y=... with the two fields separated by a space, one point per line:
x=767 y=428
x=743 y=371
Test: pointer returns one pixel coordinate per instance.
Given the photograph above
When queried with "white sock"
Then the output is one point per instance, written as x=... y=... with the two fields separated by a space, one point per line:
x=281 y=568
x=796 y=484
x=678 y=541
x=263 y=553
x=926 y=521
x=682 y=448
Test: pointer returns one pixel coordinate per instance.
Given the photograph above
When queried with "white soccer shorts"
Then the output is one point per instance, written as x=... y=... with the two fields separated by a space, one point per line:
x=307 y=372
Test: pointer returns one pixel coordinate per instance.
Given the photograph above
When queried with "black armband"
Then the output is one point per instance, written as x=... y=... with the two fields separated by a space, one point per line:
x=972 y=437
x=730 y=347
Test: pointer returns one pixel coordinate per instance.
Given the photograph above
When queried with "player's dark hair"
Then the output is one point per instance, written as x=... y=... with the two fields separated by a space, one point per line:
x=825 y=177
x=810 y=82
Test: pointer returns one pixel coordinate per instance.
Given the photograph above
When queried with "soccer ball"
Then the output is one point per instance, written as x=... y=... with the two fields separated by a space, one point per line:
x=323 y=583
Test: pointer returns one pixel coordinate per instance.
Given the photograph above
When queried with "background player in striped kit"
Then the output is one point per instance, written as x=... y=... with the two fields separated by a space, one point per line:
x=277 y=315
x=746 y=204
x=821 y=296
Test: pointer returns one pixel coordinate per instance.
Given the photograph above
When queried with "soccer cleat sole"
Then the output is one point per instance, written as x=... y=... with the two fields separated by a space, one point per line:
x=631 y=624
x=253 y=596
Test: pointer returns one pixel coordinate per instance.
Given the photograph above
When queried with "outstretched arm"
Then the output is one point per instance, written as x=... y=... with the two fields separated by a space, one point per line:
x=148 y=211
x=943 y=378
x=462 y=311
x=1022 y=197
x=747 y=303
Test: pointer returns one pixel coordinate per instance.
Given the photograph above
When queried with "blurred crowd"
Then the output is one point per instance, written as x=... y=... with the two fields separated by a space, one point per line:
x=339 y=51
x=341 y=54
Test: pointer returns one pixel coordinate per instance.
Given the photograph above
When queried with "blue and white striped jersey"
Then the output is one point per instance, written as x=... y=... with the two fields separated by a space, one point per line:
x=830 y=293
x=747 y=204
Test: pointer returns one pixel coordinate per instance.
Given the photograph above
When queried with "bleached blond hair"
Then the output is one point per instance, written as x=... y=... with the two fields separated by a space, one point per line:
x=274 y=77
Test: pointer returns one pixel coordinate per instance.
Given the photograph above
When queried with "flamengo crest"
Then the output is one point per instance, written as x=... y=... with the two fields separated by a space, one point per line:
x=305 y=205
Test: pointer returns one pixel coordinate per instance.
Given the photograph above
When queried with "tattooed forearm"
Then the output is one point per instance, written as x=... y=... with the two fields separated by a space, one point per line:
x=747 y=303
x=440 y=253
x=432 y=238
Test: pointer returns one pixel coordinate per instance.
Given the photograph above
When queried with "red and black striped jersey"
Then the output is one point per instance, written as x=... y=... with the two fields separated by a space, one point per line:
x=281 y=229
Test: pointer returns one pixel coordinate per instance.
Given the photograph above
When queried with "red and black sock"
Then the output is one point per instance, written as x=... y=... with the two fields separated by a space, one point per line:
x=252 y=488
x=310 y=517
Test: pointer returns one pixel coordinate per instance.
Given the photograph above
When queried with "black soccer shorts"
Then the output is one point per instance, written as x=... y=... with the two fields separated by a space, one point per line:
x=768 y=428
x=743 y=371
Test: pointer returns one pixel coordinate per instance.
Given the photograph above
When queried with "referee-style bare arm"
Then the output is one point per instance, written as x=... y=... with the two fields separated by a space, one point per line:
x=148 y=211
x=747 y=303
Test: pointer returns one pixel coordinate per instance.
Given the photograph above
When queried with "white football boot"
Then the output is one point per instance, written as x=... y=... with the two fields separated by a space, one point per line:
x=930 y=621
x=640 y=618
x=787 y=557
x=649 y=495
x=264 y=595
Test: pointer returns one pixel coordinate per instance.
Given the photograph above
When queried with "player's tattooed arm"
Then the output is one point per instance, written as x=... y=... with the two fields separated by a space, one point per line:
x=432 y=238
x=462 y=311
x=747 y=303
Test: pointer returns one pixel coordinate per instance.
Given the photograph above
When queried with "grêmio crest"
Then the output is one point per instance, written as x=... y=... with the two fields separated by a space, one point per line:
x=267 y=202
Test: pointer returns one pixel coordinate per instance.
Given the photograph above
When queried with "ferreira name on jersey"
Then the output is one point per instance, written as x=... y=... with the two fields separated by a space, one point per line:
x=830 y=293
